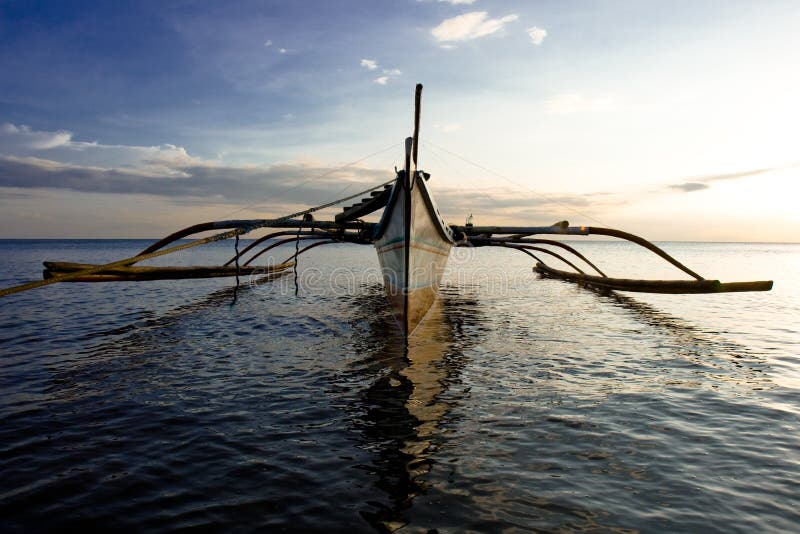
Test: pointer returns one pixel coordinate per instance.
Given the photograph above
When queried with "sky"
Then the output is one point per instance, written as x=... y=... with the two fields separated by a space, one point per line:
x=674 y=120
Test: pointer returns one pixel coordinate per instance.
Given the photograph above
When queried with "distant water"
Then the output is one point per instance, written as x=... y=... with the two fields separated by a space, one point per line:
x=522 y=404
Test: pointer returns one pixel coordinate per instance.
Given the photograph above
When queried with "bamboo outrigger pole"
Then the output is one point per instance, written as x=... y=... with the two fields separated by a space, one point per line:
x=654 y=286
x=145 y=273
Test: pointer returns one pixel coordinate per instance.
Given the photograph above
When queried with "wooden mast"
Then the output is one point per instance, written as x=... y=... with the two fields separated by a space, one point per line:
x=411 y=172
x=417 y=107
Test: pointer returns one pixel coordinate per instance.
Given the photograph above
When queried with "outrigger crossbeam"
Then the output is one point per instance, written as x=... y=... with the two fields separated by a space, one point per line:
x=518 y=237
x=356 y=231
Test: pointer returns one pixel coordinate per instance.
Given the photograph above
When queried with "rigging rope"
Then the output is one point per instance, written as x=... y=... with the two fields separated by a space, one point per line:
x=323 y=175
x=236 y=250
x=509 y=180
x=296 y=252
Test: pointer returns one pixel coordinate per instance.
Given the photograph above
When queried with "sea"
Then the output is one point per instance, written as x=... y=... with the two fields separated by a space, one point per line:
x=292 y=403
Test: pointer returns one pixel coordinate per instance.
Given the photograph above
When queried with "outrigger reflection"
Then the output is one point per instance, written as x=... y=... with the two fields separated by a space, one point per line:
x=412 y=241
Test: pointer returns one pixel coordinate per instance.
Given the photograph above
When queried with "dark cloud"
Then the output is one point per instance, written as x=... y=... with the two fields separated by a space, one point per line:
x=701 y=182
x=234 y=185
x=688 y=187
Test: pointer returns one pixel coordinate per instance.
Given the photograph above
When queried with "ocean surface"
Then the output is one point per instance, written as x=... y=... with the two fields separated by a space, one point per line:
x=520 y=405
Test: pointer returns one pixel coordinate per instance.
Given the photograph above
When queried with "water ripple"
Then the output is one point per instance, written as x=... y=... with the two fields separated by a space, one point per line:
x=533 y=406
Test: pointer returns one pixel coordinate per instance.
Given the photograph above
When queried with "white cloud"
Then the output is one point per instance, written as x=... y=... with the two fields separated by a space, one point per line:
x=470 y=26
x=22 y=141
x=388 y=74
x=536 y=34
x=567 y=103
x=282 y=51
x=268 y=42
x=22 y=137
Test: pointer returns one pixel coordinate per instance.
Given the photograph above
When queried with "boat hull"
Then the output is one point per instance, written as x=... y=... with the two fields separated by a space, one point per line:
x=413 y=247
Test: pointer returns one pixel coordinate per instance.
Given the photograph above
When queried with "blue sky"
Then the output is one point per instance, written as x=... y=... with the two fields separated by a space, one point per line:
x=664 y=118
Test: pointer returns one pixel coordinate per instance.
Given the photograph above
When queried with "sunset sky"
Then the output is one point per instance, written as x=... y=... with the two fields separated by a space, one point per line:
x=675 y=120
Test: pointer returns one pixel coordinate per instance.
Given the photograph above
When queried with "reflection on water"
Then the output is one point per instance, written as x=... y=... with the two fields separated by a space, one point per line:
x=402 y=406
x=720 y=359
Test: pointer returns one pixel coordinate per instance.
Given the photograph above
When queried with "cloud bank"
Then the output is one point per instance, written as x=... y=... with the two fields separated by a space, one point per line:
x=22 y=141
x=170 y=173
x=286 y=182
x=39 y=160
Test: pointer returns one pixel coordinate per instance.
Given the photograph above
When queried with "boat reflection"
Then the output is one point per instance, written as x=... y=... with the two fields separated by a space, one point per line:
x=716 y=358
x=407 y=402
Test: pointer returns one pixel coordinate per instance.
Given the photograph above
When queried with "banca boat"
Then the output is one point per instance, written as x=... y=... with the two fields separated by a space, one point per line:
x=412 y=240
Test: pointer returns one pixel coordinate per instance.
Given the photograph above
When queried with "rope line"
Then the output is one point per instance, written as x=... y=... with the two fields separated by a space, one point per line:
x=236 y=287
x=296 y=252
x=458 y=175
x=323 y=175
x=509 y=180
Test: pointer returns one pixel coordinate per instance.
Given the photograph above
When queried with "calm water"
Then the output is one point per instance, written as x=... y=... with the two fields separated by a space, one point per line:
x=521 y=405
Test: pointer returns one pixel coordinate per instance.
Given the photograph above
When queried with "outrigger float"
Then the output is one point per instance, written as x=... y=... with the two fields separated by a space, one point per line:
x=412 y=240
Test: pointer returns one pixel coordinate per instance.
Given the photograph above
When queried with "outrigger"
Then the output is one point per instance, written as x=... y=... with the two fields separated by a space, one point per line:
x=412 y=240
